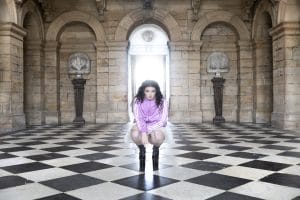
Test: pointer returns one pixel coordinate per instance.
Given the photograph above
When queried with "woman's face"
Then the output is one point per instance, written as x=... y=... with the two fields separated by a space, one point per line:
x=150 y=93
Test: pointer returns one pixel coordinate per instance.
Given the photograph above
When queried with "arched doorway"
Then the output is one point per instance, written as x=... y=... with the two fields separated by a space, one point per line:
x=148 y=58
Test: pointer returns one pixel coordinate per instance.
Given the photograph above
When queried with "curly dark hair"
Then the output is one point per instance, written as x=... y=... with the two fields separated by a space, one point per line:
x=158 y=95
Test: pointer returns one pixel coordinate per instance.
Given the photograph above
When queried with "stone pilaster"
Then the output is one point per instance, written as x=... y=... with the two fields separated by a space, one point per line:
x=117 y=82
x=102 y=82
x=52 y=106
x=34 y=82
x=263 y=77
x=11 y=77
x=286 y=61
x=185 y=99
x=245 y=81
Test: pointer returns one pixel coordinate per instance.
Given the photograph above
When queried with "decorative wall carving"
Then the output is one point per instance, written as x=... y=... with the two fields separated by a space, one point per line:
x=46 y=7
x=148 y=35
x=101 y=6
x=79 y=63
x=195 y=8
x=147 y=4
x=217 y=62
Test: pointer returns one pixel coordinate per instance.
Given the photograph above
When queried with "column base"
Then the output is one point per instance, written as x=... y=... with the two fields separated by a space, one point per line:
x=218 y=119
x=79 y=120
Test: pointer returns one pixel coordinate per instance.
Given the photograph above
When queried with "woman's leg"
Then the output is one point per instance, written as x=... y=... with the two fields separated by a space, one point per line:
x=136 y=136
x=156 y=138
x=137 y=139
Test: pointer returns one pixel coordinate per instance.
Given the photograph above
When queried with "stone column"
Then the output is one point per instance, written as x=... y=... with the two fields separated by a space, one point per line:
x=52 y=106
x=34 y=82
x=185 y=105
x=11 y=77
x=245 y=81
x=102 y=65
x=117 y=82
x=286 y=72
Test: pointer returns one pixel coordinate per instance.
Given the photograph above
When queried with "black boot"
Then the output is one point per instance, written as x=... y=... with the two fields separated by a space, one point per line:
x=142 y=157
x=155 y=156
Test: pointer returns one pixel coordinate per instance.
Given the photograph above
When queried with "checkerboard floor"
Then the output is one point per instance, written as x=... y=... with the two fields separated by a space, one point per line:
x=226 y=162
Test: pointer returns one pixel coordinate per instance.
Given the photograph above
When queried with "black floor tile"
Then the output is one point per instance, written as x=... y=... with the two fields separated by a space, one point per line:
x=205 y=166
x=218 y=181
x=15 y=149
x=266 y=165
x=103 y=148
x=12 y=181
x=58 y=149
x=263 y=141
x=145 y=182
x=48 y=156
x=223 y=142
x=26 y=167
x=145 y=196
x=136 y=167
x=232 y=196
x=31 y=143
x=60 y=196
x=283 y=179
x=96 y=156
x=86 y=167
x=234 y=148
x=198 y=155
x=107 y=142
x=246 y=155
x=191 y=148
x=277 y=147
x=73 y=182
x=290 y=154
x=6 y=155
x=293 y=141
x=70 y=143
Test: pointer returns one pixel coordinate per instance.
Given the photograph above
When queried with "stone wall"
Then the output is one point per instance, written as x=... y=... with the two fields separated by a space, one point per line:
x=194 y=33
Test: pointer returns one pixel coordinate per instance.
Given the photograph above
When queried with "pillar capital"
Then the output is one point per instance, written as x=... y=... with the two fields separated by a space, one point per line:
x=285 y=28
x=13 y=30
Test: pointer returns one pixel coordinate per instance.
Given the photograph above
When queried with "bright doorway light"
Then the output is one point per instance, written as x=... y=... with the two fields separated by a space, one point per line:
x=148 y=59
x=150 y=68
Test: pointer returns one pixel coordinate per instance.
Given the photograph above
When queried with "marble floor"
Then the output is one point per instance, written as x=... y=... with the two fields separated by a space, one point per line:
x=198 y=161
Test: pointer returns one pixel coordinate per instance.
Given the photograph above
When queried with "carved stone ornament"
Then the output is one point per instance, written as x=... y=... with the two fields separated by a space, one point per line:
x=196 y=6
x=147 y=4
x=101 y=6
x=148 y=35
x=217 y=62
x=79 y=63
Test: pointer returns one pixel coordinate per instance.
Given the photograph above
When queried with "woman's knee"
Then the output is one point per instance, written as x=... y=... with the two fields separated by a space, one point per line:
x=135 y=135
x=157 y=137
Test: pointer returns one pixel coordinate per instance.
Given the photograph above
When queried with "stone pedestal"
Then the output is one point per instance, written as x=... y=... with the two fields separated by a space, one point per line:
x=218 y=99
x=78 y=84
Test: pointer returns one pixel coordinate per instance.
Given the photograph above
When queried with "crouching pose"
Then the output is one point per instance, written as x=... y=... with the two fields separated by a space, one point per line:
x=151 y=115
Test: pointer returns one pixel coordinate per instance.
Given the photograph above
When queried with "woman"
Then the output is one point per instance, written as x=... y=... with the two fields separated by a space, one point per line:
x=151 y=115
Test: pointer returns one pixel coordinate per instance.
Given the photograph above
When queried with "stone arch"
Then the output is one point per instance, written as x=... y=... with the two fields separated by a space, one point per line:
x=75 y=16
x=220 y=17
x=8 y=11
x=157 y=16
x=263 y=7
x=30 y=8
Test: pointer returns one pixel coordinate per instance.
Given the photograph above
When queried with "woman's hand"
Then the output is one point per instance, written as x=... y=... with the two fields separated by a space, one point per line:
x=145 y=138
